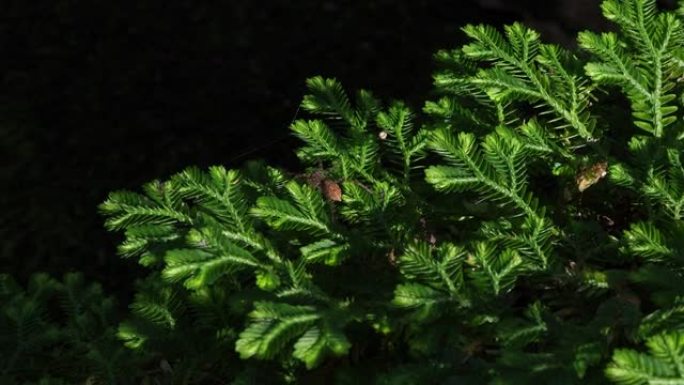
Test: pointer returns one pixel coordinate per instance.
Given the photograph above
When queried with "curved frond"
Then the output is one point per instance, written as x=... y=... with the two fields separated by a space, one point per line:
x=525 y=69
x=329 y=98
x=664 y=364
x=306 y=211
x=442 y=267
x=641 y=60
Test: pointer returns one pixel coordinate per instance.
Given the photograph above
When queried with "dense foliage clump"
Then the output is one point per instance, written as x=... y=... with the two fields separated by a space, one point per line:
x=526 y=227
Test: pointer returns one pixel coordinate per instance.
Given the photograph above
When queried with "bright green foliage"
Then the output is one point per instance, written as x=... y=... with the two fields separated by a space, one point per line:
x=498 y=174
x=257 y=241
x=478 y=242
x=276 y=324
x=645 y=60
x=459 y=251
x=664 y=364
x=523 y=69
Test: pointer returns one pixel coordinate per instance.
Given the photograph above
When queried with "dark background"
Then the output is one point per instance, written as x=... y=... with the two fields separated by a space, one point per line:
x=99 y=95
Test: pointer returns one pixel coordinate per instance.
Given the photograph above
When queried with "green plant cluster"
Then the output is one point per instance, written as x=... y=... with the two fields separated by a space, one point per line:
x=58 y=332
x=526 y=227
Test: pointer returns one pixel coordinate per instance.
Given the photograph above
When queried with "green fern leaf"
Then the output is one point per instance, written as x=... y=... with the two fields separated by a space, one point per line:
x=329 y=98
x=499 y=170
x=416 y=295
x=646 y=241
x=442 y=267
x=645 y=73
x=199 y=268
x=664 y=320
x=326 y=251
x=664 y=364
x=273 y=325
x=161 y=306
x=525 y=69
x=316 y=343
x=217 y=192
x=495 y=271
x=321 y=141
x=405 y=145
x=306 y=214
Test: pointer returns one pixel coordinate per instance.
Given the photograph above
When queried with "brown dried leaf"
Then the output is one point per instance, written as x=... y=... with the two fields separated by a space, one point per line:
x=589 y=176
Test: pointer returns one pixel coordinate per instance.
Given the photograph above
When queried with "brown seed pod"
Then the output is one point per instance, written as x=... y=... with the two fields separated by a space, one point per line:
x=589 y=176
x=332 y=190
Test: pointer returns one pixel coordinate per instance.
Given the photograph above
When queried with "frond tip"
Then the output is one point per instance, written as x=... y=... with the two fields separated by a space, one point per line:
x=274 y=325
x=663 y=365
x=643 y=60
x=521 y=68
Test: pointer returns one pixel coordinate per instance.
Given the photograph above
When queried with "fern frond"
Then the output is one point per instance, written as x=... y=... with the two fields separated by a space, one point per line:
x=518 y=333
x=495 y=270
x=538 y=141
x=447 y=178
x=664 y=364
x=327 y=97
x=405 y=144
x=321 y=141
x=533 y=239
x=622 y=175
x=199 y=268
x=162 y=306
x=327 y=251
x=24 y=325
x=442 y=268
x=306 y=214
x=497 y=172
x=300 y=286
x=74 y=341
x=367 y=106
x=666 y=190
x=361 y=157
x=127 y=209
x=416 y=295
x=525 y=69
x=140 y=238
x=274 y=325
x=317 y=343
x=217 y=192
x=668 y=319
x=363 y=204
x=646 y=73
x=645 y=240
x=451 y=110
x=308 y=201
